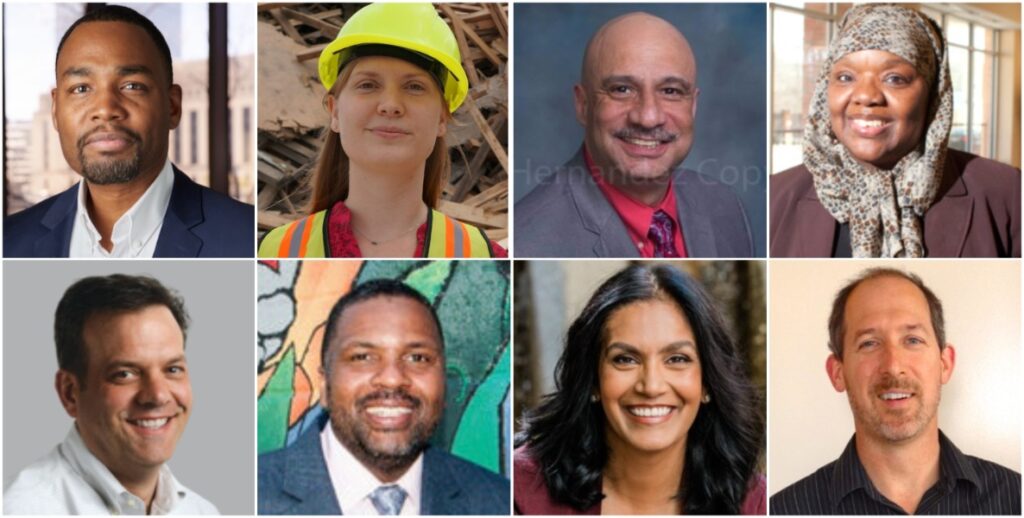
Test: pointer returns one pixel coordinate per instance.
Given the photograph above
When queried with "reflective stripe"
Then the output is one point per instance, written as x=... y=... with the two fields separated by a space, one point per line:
x=447 y=237
x=457 y=240
x=315 y=243
x=305 y=234
x=282 y=251
x=449 y=230
x=294 y=245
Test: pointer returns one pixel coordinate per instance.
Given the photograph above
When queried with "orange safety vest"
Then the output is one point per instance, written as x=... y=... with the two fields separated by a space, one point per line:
x=307 y=237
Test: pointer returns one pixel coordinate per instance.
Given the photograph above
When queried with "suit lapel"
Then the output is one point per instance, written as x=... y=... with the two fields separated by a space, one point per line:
x=441 y=488
x=947 y=221
x=184 y=212
x=609 y=234
x=698 y=231
x=59 y=222
x=306 y=478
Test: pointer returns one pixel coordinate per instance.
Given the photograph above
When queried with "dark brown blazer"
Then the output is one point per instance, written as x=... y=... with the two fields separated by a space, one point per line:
x=977 y=213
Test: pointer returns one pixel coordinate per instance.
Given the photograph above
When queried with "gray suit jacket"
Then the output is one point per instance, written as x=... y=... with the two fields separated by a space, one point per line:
x=567 y=215
x=294 y=480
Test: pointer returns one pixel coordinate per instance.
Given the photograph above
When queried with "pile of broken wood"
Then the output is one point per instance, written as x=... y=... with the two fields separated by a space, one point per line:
x=291 y=116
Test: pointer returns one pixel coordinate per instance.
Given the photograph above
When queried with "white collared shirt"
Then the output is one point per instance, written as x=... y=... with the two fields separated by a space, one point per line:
x=136 y=232
x=71 y=480
x=353 y=483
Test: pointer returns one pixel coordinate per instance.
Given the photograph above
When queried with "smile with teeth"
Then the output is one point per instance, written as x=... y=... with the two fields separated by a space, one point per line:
x=388 y=411
x=648 y=411
x=150 y=423
x=891 y=396
x=866 y=124
x=643 y=142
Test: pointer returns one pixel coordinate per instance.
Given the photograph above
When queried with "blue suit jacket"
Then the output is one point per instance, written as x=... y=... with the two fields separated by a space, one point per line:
x=199 y=222
x=567 y=215
x=294 y=480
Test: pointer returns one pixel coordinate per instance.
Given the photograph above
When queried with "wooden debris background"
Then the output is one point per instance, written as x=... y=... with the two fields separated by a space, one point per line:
x=291 y=117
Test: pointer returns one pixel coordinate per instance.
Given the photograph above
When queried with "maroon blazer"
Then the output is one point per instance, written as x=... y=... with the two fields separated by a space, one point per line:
x=977 y=213
x=530 y=494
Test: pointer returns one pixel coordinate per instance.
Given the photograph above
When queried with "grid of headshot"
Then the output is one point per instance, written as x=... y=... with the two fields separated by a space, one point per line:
x=511 y=258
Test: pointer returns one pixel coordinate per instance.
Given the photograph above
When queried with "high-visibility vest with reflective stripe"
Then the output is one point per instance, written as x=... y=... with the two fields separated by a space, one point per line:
x=307 y=237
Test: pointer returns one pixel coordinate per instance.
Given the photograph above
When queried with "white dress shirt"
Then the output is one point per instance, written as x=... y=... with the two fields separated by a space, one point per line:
x=71 y=480
x=353 y=483
x=136 y=232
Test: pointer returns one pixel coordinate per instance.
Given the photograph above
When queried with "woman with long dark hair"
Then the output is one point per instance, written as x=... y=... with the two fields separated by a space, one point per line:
x=652 y=413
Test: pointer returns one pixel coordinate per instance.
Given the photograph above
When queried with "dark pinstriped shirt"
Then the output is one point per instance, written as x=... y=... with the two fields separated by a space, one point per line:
x=967 y=485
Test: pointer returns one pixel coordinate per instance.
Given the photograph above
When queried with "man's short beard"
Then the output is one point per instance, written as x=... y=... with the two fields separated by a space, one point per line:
x=909 y=427
x=111 y=171
x=355 y=436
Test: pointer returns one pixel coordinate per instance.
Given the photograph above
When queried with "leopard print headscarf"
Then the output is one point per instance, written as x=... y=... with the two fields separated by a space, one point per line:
x=884 y=208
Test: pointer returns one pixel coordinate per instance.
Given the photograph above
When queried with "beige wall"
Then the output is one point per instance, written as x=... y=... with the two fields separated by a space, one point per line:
x=810 y=423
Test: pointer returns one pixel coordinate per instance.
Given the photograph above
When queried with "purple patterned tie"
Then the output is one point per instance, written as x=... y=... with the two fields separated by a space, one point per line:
x=662 y=233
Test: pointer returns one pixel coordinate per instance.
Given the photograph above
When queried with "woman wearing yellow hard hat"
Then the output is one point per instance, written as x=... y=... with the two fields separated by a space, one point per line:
x=393 y=77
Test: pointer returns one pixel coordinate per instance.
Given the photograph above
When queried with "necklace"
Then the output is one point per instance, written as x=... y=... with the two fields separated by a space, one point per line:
x=383 y=241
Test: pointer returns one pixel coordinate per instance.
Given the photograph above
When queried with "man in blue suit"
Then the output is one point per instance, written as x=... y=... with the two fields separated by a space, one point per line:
x=114 y=106
x=383 y=372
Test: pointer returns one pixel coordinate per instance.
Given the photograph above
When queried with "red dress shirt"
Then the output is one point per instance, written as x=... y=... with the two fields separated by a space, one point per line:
x=636 y=216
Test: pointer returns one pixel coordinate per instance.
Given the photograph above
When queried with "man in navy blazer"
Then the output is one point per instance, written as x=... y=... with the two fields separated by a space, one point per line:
x=383 y=372
x=625 y=193
x=113 y=107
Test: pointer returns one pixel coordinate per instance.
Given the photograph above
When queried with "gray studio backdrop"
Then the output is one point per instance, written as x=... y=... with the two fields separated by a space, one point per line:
x=729 y=132
x=215 y=456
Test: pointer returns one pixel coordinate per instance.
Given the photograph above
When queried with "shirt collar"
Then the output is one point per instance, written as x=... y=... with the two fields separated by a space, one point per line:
x=634 y=214
x=353 y=482
x=848 y=473
x=136 y=227
x=118 y=499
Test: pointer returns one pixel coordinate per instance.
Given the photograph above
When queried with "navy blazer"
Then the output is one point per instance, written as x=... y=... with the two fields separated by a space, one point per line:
x=199 y=222
x=567 y=215
x=294 y=480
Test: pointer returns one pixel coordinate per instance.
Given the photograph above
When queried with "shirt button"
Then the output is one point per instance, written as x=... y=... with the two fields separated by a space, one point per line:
x=137 y=244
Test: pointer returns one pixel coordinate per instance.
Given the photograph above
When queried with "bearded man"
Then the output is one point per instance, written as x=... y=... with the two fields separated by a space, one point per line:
x=114 y=105
x=383 y=372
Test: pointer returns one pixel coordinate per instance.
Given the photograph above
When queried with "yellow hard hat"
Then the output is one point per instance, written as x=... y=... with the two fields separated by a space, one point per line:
x=413 y=27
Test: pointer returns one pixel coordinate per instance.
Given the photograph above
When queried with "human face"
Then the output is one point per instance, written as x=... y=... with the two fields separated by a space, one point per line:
x=878 y=103
x=650 y=377
x=384 y=382
x=113 y=105
x=389 y=113
x=892 y=369
x=638 y=100
x=134 y=401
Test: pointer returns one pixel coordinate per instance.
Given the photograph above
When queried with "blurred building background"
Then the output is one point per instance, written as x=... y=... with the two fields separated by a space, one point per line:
x=34 y=166
x=984 y=60
x=549 y=295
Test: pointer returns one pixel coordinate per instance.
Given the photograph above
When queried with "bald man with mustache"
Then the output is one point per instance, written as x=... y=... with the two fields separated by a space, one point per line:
x=625 y=193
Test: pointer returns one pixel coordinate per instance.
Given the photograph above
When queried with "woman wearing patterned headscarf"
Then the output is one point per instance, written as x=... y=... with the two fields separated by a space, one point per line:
x=878 y=178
